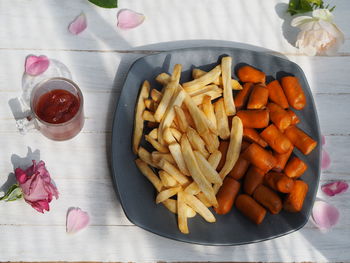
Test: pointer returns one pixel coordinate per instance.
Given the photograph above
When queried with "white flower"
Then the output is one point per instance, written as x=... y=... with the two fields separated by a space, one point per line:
x=319 y=35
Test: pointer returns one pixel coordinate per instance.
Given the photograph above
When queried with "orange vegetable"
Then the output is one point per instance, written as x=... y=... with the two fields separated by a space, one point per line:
x=253 y=179
x=226 y=195
x=252 y=135
x=244 y=145
x=242 y=96
x=279 y=182
x=254 y=118
x=250 y=74
x=276 y=94
x=240 y=168
x=223 y=149
x=258 y=97
x=295 y=168
x=279 y=116
x=276 y=139
x=294 y=92
x=259 y=157
x=281 y=159
x=268 y=198
x=250 y=208
x=300 y=139
x=294 y=118
x=295 y=200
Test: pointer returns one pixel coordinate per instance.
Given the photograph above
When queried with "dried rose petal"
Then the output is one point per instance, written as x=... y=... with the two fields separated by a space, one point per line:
x=128 y=19
x=78 y=25
x=35 y=65
x=325 y=161
x=323 y=139
x=335 y=188
x=324 y=215
x=76 y=220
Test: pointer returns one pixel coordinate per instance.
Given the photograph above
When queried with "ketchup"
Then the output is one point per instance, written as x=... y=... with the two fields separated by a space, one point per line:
x=57 y=106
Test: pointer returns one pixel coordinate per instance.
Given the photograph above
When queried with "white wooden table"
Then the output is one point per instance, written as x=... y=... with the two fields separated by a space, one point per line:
x=98 y=60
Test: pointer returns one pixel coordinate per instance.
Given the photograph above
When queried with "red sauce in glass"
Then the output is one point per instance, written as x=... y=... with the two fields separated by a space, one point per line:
x=57 y=106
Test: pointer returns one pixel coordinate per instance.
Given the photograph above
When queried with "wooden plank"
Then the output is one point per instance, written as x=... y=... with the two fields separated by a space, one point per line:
x=118 y=243
x=254 y=22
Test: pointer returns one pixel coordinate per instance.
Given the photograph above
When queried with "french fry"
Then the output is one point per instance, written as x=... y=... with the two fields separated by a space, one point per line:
x=207 y=170
x=156 y=95
x=212 y=94
x=226 y=64
x=154 y=133
x=158 y=156
x=197 y=142
x=168 y=93
x=138 y=121
x=166 y=194
x=149 y=174
x=169 y=115
x=197 y=115
x=188 y=116
x=181 y=119
x=166 y=179
x=196 y=73
x=168 y=136
x=175 y=150
x=171 y=204
x=195 y=171
x=146 y=157
x=205 y=90
x=214 y=159
x=148 y=116
x=192 y=188
x=173 y=171
x=181 y=213
x=203 y=199
x=203 y=80
x=177 y=135
x=148 y=104
x=199 y=207
x=234 y=146
x=221 y=119
x=211 y=141
x=159 y=147
x=208 y=110
x=163 y=78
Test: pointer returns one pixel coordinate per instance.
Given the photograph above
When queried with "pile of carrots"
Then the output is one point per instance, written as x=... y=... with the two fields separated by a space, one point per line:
x=266 y=176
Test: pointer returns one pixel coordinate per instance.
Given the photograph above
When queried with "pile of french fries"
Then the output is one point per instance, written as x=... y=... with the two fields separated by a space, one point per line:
x=187 y=124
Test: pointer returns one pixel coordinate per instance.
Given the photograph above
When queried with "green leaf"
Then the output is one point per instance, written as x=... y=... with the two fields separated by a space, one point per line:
x=316 y=2
x=12 y=194
x=305 y=6
x=105 y=3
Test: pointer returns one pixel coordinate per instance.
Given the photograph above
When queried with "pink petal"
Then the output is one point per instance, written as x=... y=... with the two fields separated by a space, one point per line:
x=128 y=19
x=335 y=188
x=323 y=139
x=35 y=65
x=325 y=161
x=76 y=220
x=324 y=215
x=78 y=25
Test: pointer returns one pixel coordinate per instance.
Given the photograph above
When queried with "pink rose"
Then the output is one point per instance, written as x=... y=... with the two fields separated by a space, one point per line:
x=36 y=186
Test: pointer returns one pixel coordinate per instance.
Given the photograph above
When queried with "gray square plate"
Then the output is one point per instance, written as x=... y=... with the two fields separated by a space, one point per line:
x=137 y=195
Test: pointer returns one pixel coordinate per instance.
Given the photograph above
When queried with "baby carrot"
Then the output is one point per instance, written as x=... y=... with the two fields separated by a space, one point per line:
x=276 y=94
x=226 y=195
x=253 y=179
x=279 y=116
x=295 y=168
x=254 y=118
x=268 y=198
x=294 y=92
x=244 y=145
x=276 y=139
x=223 y=149
x=250 y=74
x=295 y=200
x=281 y=159
x=259 y=157
x=258 y=97
x=252 y=135
x=293 y=116
x=242 y=96
x=300 y=139
x=279 y=182
x=240 y=168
